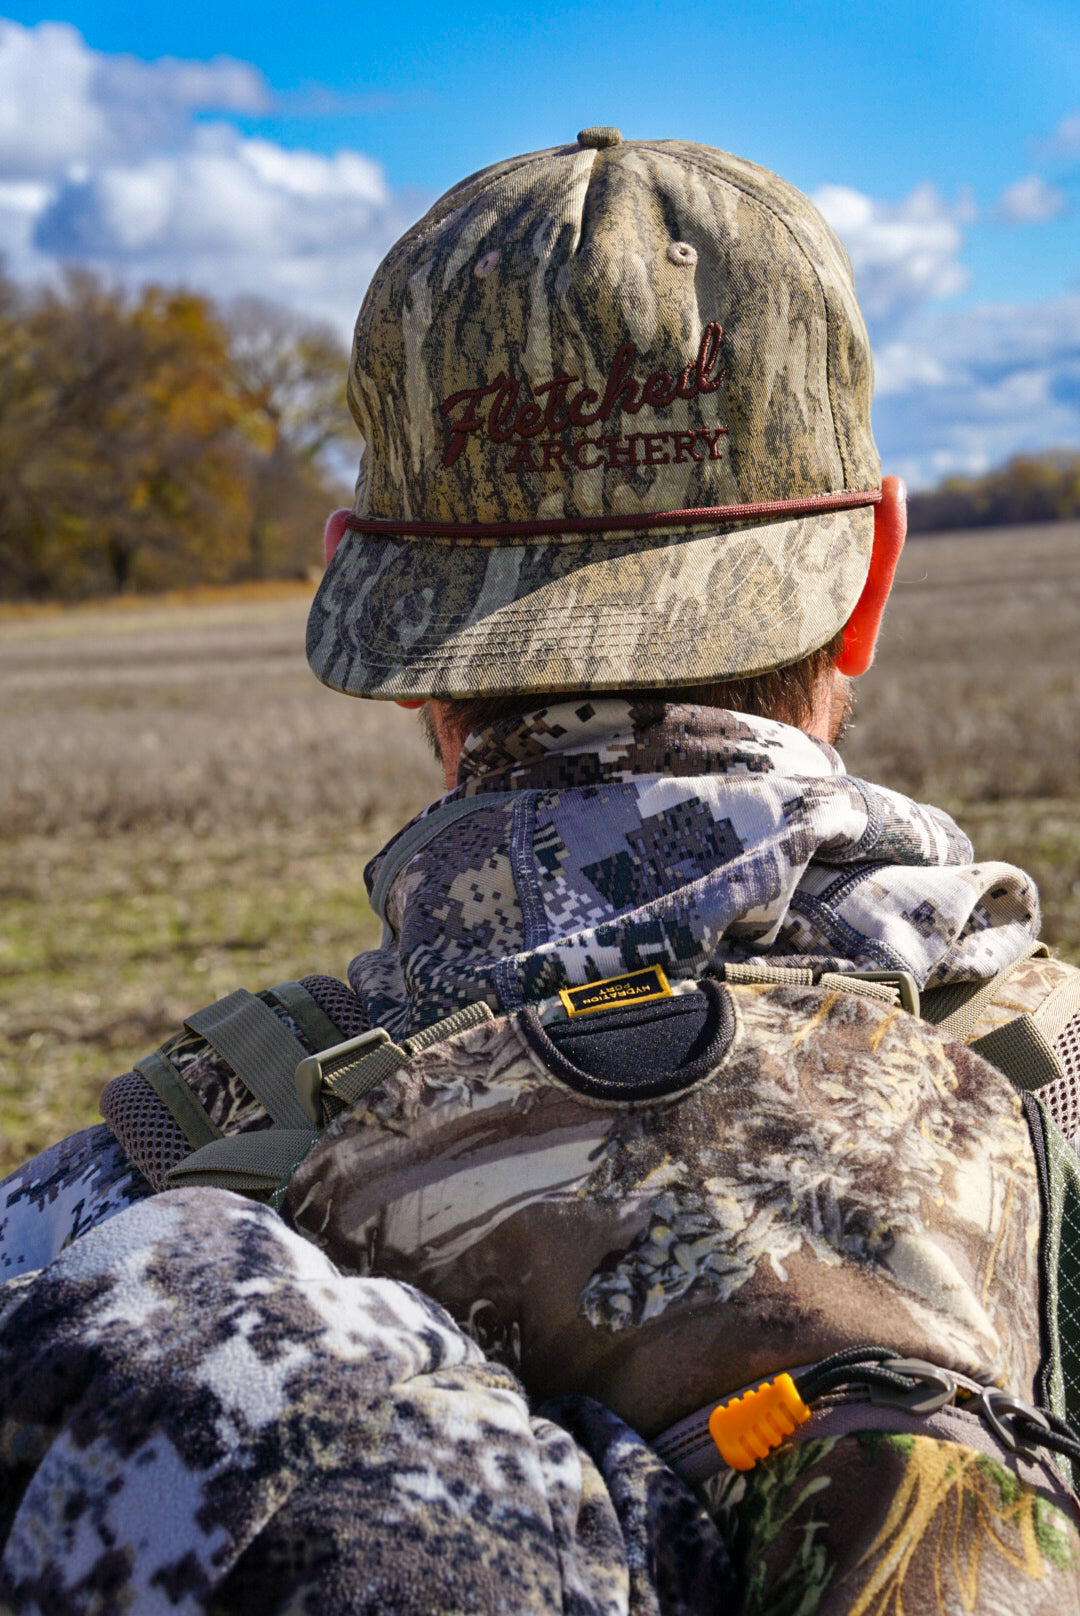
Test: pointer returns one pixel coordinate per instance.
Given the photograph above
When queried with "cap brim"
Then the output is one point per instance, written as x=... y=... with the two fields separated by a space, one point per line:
x=420 y=618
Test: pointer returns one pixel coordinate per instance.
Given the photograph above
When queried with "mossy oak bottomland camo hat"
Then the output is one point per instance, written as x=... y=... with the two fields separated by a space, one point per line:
x=616 y=405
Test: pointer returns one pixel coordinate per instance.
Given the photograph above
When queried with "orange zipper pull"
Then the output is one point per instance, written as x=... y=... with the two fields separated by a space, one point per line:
x=747 y=1428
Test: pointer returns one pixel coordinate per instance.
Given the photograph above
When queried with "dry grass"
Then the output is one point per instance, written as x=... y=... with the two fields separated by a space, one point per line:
x=204 y=717
x=974 y=700
x=184 y=809
x=975 y=695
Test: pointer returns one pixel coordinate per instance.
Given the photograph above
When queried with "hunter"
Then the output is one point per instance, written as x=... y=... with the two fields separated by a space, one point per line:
x=676 y=1212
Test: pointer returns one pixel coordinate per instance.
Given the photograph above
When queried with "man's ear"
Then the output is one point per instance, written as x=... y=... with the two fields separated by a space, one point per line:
x=334 y=533
x=890 y=529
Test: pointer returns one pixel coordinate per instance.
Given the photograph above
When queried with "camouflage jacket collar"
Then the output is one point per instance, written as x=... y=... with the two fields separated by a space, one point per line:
x=587 y=743
x=586 y=840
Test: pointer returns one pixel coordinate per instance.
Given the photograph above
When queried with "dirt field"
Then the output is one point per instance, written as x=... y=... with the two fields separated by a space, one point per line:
x=183 y=809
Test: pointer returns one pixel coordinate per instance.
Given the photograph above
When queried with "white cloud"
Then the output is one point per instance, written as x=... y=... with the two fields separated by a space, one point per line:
x=1065 y=141
x=960 y=390
x=980 y=385
x=230 y=215
x=903 y=253
x=1030 y=201
x=62 y=103
x=104 y=162
x=902 y=365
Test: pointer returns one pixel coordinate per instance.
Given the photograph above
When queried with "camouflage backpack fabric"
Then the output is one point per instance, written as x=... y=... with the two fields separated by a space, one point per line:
x=820 y=1170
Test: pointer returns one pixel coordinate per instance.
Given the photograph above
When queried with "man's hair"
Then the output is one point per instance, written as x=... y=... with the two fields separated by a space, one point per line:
x=787 y=694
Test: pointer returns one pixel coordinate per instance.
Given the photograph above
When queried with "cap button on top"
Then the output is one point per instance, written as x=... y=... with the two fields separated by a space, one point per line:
x=597 y=139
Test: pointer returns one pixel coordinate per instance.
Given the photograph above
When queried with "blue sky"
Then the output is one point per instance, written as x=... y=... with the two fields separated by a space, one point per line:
x=206 y=143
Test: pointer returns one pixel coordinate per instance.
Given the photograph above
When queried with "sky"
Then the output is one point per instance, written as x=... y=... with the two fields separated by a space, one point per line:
x=239 y=151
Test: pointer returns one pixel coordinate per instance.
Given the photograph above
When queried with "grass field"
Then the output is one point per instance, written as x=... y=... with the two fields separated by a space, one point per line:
x=184 y=810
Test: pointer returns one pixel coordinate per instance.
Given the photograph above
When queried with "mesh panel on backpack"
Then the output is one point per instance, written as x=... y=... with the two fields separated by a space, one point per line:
x=1062 y=1097
x=144 y=1126
x=338 y=1001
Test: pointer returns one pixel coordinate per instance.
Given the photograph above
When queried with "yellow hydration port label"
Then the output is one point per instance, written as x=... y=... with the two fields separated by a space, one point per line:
x=749 y=1427
x=617 y=992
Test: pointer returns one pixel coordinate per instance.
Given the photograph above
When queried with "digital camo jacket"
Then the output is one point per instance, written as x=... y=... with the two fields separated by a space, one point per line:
x=200 y=1413
x=599 y=838
x=197 y=1416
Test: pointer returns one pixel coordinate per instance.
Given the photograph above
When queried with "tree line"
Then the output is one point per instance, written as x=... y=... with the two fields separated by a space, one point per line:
x=1029 y=488
x=152 y=440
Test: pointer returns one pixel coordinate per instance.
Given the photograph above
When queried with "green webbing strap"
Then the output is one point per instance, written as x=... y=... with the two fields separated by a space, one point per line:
x=384 y=1061
x=250 y=1163
x=316 y=1075
x=388 y=1058
x=903 y=986
x=850 y=982
x=1022 y=1049
x=184 y=1104
x=884 y=986
x=755 y=971
x=458 y=1021
x=1020 y=1052
x=939 y=1003
x=960 y=1022
x=1058 y=1008
x=319 y=1030
x=421 y=832
x=261 y=1051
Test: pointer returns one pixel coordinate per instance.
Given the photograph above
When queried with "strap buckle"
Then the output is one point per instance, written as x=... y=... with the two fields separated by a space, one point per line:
x=999 y=1409
x=933 y=1389
x=318 y=1070
x=903 y=981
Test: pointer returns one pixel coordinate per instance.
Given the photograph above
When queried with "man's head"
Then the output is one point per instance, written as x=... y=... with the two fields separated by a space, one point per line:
x=615 y=399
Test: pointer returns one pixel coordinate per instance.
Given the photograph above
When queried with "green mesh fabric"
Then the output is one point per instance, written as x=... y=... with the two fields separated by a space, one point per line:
x=1061 y=1261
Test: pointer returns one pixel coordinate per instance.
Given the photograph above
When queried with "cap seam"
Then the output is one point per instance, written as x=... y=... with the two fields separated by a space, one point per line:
x=829 y=320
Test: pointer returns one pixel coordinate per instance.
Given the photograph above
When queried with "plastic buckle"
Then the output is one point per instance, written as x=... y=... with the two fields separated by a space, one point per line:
x=318 y=1069
x=903 y=981
x=936 y=1387
x=996 y=1407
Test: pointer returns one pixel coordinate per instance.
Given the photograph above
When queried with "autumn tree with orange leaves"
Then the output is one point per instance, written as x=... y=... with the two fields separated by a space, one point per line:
x=142 y=446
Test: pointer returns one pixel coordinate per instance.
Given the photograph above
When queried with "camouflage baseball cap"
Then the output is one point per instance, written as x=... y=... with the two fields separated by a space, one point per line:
x=616 y=407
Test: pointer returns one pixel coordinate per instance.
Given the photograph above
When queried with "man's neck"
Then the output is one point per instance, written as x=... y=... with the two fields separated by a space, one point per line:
x=827 y=722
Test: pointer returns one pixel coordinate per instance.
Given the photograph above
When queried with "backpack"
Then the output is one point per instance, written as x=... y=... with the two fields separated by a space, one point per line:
x=644 y=1190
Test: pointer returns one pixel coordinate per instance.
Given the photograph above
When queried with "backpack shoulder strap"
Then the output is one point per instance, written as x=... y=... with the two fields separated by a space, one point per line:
x=159 y=1112
x=957 y=1008
x=1026 y=1022
x=252 y=1164
x=261 y=1050
x=261 y=1163
x=1027 y=1049
x=182 y=1103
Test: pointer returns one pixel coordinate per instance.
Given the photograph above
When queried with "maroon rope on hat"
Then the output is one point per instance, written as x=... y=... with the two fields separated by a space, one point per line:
x=556 y=526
